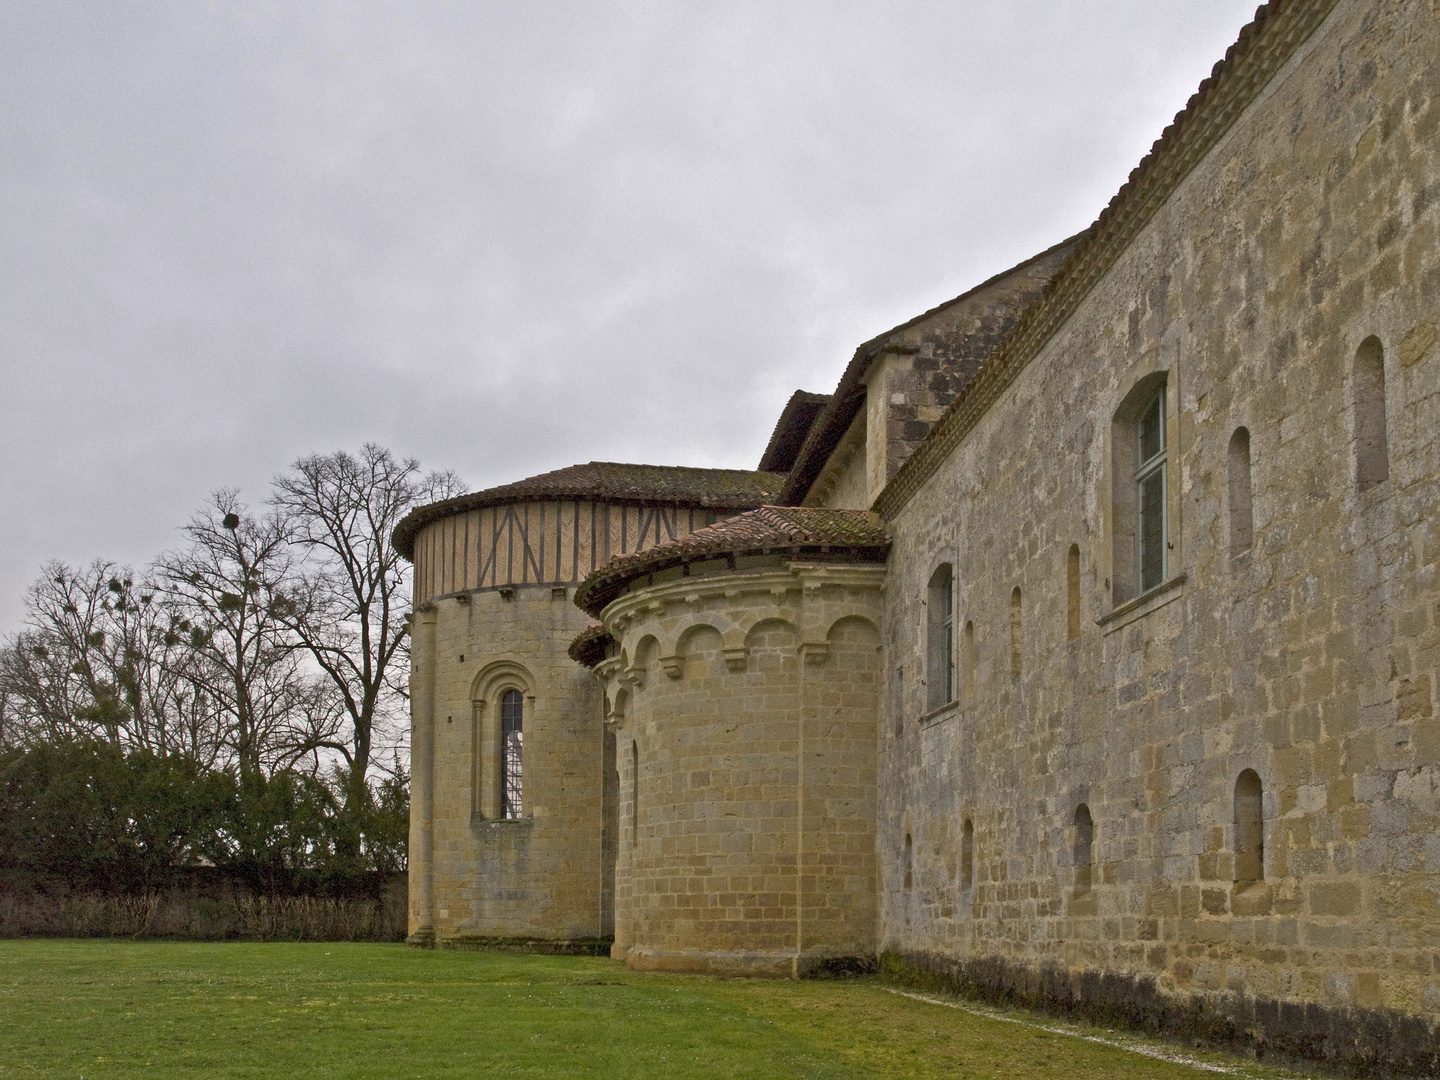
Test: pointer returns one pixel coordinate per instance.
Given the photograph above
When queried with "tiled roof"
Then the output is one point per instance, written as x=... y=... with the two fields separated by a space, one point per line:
x=716 y=489
x=591 y=645
x=825 y=430
x=1261 y=50
x=790 y=430
x=832 y=534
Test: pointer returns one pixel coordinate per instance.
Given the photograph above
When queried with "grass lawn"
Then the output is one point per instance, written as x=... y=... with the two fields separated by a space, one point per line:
x=104 y=1009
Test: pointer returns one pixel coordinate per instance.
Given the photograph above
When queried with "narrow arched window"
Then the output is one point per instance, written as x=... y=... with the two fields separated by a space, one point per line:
x=1084 y=848
x=972 y=659
x=940 y=638
x=1017 y=639
x=1372 y=452
x=1242 y=524
x=634 y=794
x=512 y=737
x=899 y=702
x=1249 y=829
x=967 y=854
x=1072 y=592
x=1150 y=522
x=908 y=865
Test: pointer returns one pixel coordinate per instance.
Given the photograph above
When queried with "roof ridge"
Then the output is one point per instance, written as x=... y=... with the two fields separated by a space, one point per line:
x=834 y=418
x=1262 y=48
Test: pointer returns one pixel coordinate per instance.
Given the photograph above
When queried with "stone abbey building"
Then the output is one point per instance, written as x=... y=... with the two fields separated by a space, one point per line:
x=1080 y=647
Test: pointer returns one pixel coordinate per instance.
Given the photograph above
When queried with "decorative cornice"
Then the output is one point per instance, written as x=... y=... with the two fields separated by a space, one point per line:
x=1262 y=49
x=814 y=533
x=778 y=583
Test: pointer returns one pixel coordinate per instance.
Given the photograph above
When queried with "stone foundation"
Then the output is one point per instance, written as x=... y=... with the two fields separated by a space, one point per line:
x=1357 y=1041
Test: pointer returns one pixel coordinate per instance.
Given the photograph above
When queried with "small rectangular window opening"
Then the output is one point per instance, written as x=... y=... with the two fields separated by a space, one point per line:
x=972 y=659
x=1083 y=850
x=634 y=795
x=899 y=702
x=1017 y=633
x=1072 y=592
x=1372 y=454
x=1249 y=829
x=967 y=855
x=940 y=634
x=1242 y=524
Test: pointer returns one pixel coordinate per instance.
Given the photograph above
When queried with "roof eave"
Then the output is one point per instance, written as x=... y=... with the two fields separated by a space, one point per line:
x=830 y=426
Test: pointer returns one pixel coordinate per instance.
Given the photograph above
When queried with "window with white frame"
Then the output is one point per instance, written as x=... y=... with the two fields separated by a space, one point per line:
x=1150 y=494
x=1140 y=481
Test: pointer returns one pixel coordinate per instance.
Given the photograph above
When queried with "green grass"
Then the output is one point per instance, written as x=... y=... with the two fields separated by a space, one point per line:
x=119 y=1009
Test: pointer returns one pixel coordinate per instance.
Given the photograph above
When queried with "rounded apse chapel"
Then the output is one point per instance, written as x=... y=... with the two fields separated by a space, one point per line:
x=514 y=817
x=742 y=672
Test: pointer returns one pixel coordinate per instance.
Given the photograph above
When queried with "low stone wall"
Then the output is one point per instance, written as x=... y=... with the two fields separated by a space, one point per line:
x=1363 y=1042
x=205 y=915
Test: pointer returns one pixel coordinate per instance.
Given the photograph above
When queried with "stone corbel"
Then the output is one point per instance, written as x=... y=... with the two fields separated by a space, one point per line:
x=736 y=657
x=633 y=676
x=674 y=666
x=815 y=653
x=608 y=668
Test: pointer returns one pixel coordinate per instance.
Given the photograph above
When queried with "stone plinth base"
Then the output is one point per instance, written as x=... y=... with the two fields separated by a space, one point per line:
x=763 y=965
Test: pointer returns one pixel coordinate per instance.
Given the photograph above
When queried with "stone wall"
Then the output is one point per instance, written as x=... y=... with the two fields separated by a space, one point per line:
x=925 y=364
x=745 y=706
x=493 y=591
x=901 y=382
x=539 y=876
x=1309 y=656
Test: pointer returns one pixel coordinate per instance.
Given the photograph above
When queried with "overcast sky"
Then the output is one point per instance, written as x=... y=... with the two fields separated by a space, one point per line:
x=505 y=237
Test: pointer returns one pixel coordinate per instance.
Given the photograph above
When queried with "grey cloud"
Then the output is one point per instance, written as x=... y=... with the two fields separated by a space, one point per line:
x=506 y=237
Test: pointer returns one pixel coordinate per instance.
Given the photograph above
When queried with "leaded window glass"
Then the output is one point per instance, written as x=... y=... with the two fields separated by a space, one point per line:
x=512 y=709
x=1150 y=539
x=941 y=638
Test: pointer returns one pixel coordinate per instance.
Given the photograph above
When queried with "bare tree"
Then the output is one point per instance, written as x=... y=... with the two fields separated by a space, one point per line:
x=347 y=604
x=227 y=588
x=101 y=657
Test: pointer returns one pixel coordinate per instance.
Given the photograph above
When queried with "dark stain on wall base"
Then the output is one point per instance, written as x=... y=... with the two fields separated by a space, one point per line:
x=1353 y=1041
x=836 y=967
x=536 y=946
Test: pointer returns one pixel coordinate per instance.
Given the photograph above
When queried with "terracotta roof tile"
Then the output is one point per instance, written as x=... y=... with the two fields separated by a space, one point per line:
x=848 y=534
x=790 y=430
x=716 y=489
x=591 y=645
